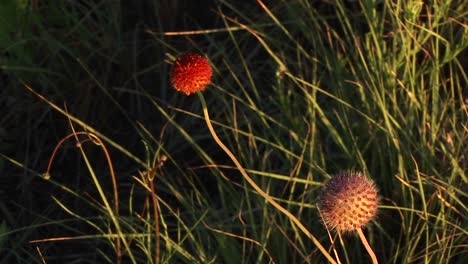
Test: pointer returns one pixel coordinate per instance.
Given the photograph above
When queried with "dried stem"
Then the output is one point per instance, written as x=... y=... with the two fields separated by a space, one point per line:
x=259 y=190
x=367 y=246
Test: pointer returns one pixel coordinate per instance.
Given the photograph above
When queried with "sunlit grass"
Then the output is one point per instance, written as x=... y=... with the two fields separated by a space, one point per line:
x=300 y=91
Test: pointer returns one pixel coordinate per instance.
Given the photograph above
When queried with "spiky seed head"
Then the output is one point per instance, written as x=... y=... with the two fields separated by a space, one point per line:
x=190 y=73
x=348 y=201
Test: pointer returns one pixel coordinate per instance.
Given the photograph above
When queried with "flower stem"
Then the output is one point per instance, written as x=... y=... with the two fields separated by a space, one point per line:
x=367 y=246
x=259 y=190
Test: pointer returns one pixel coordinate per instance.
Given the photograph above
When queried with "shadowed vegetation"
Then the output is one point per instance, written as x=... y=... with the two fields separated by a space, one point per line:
x=102 y=161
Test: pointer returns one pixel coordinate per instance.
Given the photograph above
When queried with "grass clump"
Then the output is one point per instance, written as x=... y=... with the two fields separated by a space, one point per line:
x=298 y=92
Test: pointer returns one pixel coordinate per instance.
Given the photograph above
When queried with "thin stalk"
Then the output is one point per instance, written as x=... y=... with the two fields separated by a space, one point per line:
x=259 y=190
x=367 y=246
x=154 y=199
x=96 y=140
x=113 y=215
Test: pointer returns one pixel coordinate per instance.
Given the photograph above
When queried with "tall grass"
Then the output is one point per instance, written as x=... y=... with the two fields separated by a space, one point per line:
x=301 y=90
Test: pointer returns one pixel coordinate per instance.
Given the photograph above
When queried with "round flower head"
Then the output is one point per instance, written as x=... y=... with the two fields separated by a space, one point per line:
x=191 y=73
x=348 y=201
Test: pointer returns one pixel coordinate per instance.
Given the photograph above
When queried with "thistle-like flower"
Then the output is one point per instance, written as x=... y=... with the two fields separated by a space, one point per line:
x=190 y=73
x=348 y=201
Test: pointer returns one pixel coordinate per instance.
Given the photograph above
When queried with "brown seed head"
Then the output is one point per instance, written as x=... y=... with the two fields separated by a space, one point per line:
x=190 y=73
x=348 y=201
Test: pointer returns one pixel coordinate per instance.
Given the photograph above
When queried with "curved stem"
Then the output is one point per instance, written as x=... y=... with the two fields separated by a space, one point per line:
x=94 y=138
x=367 y=246
x=259 y=190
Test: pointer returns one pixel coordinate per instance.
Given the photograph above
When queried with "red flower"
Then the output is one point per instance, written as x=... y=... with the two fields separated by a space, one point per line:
x=191 y=73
